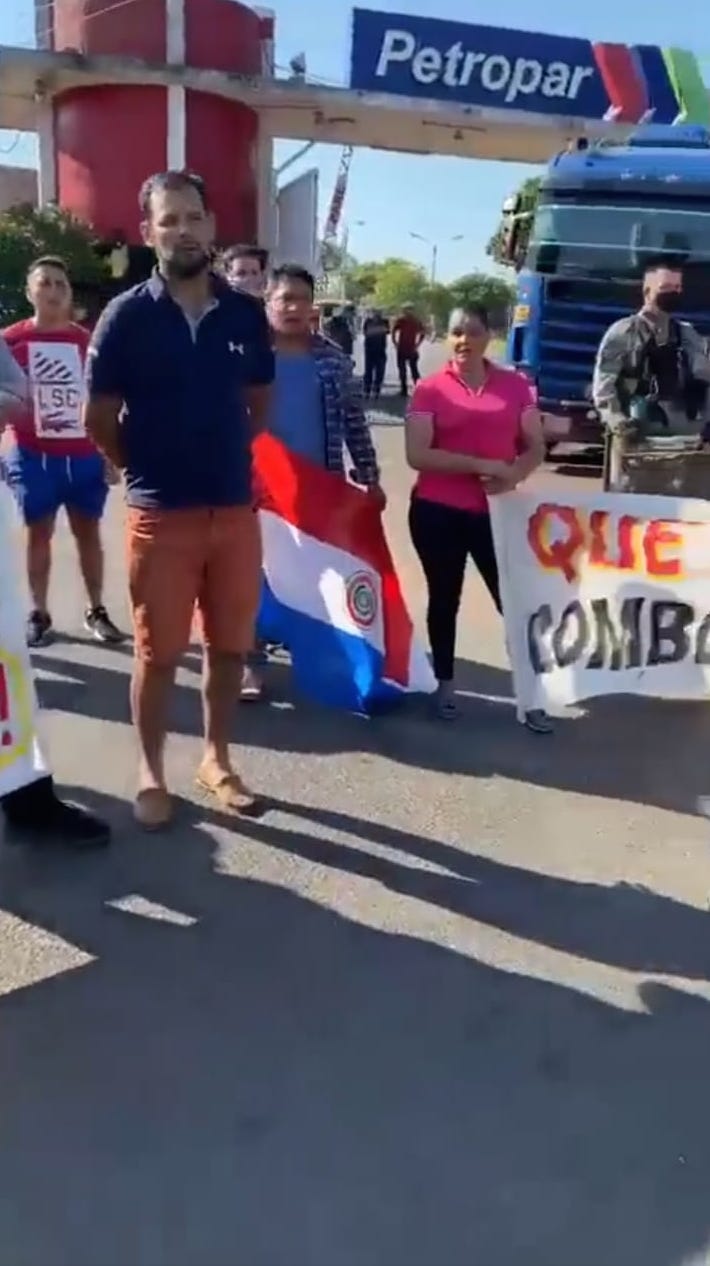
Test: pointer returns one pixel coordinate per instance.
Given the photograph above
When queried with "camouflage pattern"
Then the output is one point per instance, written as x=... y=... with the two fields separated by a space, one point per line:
x=617 y=380
x=616 y=373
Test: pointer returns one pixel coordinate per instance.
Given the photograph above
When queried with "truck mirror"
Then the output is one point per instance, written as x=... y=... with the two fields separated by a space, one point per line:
x=509 y=251
x=511 y=206
x=510 y=232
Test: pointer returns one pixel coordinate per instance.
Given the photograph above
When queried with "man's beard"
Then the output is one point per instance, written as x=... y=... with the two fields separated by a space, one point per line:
x=184 y=268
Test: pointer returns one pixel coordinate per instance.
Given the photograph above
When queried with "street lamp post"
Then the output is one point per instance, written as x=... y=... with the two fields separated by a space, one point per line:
x=458 y=237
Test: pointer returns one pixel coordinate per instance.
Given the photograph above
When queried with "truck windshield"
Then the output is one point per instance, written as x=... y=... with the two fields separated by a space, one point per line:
x=601 y=239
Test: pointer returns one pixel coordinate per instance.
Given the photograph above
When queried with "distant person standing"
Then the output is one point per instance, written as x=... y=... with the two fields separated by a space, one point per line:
x=339 y=330
x=52 y=462
x=375 y=331
x=245 y=269
x=408 y=334
x=179 y=374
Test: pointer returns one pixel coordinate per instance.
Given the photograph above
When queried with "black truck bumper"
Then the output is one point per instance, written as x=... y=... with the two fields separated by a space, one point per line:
x=584 y=426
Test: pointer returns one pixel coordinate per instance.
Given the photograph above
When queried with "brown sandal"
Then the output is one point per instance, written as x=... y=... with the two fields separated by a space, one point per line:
x=153 y=808
x=229 y=791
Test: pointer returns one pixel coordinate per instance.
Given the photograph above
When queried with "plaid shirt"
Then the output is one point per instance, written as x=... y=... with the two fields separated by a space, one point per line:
x=344 y=414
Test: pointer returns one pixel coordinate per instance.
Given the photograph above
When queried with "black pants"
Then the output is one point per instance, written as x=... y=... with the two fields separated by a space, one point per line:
x=444 y=538
x=375 y=365
x=405 y=361
x=22 y=807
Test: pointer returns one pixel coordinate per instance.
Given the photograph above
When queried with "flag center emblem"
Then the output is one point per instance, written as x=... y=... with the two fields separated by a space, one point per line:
x=361 y=599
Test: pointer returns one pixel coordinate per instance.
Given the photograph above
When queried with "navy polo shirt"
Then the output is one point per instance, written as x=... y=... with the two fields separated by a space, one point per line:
x=185 y=429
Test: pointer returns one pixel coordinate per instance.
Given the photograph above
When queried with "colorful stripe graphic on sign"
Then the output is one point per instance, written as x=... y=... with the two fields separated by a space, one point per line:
x=624 y=82
x=663 y=100
x=665 y=80
x=687 y=82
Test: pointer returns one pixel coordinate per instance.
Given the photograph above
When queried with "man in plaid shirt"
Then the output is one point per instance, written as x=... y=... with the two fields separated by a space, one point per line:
x=317 y=407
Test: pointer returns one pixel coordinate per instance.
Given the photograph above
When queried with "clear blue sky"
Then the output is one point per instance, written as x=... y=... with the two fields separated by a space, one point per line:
x=444 y=197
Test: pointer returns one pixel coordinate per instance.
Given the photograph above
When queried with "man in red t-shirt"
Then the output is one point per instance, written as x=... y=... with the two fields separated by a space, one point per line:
x=407 y=335
x=51 y=461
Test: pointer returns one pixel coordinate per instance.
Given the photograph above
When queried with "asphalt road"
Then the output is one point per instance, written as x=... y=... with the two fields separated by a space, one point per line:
x=444 y=1005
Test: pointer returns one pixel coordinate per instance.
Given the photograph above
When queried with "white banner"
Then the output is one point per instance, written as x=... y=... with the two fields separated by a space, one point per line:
x=604 y=594
x=21 y=760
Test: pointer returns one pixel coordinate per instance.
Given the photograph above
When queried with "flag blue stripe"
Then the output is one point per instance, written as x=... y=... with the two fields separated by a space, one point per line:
x=331 y=666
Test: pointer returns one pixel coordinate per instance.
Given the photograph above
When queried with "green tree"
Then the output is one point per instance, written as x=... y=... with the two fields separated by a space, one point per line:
x=26 y=233
x=528 y=194
x=439 y=303
x=400 y=282
x=494 y=293
x=361 y=281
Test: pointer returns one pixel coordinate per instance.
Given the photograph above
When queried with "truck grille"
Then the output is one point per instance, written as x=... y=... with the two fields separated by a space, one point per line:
x=576 y=315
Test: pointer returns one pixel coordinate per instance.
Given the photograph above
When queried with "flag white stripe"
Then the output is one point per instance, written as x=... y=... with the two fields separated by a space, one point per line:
x=312 y=578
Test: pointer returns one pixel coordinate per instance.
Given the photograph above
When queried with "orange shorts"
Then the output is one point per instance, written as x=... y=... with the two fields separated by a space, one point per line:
x=179 y=560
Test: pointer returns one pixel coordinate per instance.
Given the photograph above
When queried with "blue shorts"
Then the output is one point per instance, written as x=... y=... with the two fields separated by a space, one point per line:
x=41 y=484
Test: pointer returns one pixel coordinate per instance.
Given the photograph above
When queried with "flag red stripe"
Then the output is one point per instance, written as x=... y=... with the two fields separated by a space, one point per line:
x=324 y=506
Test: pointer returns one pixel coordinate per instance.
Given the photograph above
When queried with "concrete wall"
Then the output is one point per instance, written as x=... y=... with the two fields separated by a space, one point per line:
x=17 y=184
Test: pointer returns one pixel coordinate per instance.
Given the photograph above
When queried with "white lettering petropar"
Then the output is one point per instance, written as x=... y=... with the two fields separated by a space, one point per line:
x=457 y=67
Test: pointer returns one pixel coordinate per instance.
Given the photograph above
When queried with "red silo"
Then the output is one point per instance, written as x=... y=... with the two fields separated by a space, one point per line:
x=109 y=137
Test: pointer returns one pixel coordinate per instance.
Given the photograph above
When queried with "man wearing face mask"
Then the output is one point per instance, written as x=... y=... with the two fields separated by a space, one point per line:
x=245 y=269
x=652 y=371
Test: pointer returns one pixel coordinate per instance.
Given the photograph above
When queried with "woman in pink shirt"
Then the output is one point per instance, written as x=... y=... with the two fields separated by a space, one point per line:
x=473 y=430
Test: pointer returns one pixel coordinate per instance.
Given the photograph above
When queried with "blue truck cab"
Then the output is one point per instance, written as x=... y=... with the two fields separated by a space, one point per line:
x=604 y=210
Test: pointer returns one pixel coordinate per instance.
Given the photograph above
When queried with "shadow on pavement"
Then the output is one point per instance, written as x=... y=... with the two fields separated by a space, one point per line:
x=281 y=1087
x=621 y=749
x=621 y=925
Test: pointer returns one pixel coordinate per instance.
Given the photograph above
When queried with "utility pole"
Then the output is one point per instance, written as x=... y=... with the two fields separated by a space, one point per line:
x=458 y=237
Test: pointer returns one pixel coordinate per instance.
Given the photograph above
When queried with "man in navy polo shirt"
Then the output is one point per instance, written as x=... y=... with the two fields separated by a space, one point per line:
x=178 y=382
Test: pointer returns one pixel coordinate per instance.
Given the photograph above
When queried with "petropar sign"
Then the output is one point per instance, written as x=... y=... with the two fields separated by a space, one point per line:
x=505 y=69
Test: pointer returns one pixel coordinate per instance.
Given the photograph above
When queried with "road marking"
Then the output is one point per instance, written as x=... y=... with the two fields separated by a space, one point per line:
x=145 y=909
x=31 y=954
x=476 y=694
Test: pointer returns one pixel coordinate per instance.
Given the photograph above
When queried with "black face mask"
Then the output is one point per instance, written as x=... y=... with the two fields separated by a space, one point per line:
x=668 y=300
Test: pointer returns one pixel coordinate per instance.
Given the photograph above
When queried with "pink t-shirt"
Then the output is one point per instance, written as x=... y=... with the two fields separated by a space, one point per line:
x=482 y=422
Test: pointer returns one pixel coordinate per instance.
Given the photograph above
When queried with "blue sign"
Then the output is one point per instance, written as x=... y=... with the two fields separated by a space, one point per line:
x=475 y=65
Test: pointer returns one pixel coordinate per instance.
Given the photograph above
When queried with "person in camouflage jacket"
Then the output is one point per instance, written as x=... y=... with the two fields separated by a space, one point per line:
x=652 y=371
